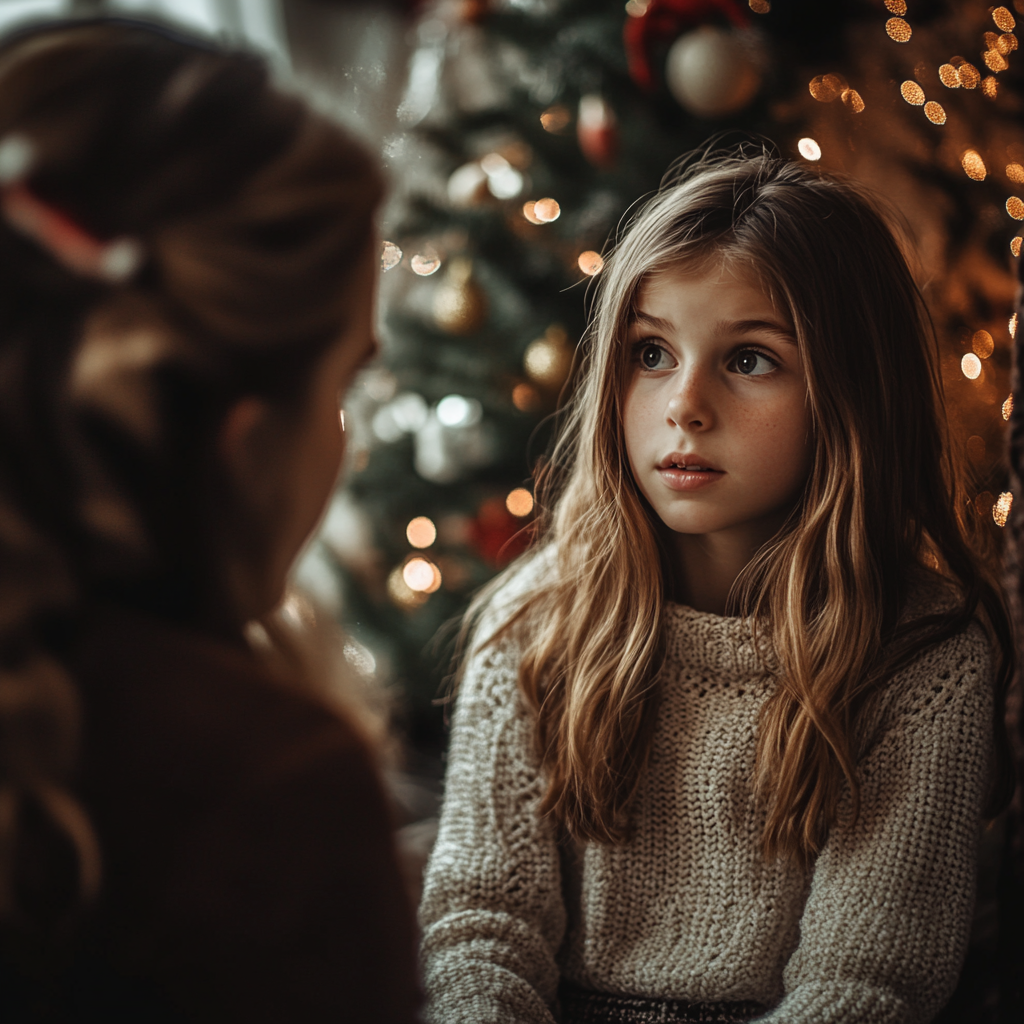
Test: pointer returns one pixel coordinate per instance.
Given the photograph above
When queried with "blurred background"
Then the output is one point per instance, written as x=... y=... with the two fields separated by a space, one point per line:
x=517 y=134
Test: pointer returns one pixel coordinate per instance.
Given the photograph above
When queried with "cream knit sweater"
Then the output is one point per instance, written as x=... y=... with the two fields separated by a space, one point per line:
x=874 y=932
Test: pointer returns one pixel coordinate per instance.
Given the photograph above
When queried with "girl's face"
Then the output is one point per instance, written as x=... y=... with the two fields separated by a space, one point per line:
x=716 y=423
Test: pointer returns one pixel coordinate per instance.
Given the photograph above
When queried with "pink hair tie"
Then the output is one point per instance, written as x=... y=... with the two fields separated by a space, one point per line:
x=114 y=261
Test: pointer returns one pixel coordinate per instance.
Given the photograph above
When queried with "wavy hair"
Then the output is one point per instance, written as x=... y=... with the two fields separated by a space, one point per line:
x=884 y=502
x=252 y=212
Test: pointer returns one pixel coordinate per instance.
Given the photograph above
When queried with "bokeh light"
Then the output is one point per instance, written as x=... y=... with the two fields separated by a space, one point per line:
x=421 y=575
x=973 y=165
x=948 y=76
x=401 y=593
x=853 y=100
x=1001 y=509
x=969 y=75
x=590 y=262
x=390 y=256
x=1015 y=244
x=421 y=532
x=1007 y=43
x=1012 y=326
x=1004 y=20
x=555 y=118
x=529 y=214
x=519 y=502
x=899 y=31
x=1008 y=407
x=760 y=6
x=546 y=210
x=425 y=263
x=1015 y=207
x=982 y=344
x=990 y=87
x=971 y=366
x=826 y=88
x=934 y=112
x=809 y=149
x=525 y=398
x=1015 y=172
x=896 y=6
x=994 y=60
x=912 y=93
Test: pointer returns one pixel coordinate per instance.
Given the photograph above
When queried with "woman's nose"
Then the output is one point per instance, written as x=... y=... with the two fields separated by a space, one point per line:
x=689 y=407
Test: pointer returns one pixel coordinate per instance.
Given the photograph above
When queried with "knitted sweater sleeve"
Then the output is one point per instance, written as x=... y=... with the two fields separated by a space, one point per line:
x=492 y=913
x=885 y=927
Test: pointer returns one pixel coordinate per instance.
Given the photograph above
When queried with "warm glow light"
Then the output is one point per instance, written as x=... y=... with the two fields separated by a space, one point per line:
x=1001 y=509
x=637 y=8
x=1013 y=326
x=546 y=210
x=1015 y=244
x=425 y=263
x=529 y=214
x=912 y=93
x=899 y=31
x=1015 y=173
x=401 y=593
x=390 y=256
x=590 y=262
x=971 y=366
x=1004 y=20
x=1007 y=43
x=969 y=75
x=421 y=532
x=519 y=502
x=760 y=6
x=555 y=118
x=994 y=60
x=990 y=87
x=826 y=88
x=934 y=112
x=973 y=165
x=1015 y=207
x=853 y=100
x=1008 y=407
x=948 y=76
x=525 y=398
x=896 y=6
x=421 y=575
x=809 y=149
x=982 y=344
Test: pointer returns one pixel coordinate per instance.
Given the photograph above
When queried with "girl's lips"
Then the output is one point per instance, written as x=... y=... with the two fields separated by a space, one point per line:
x=688 y=479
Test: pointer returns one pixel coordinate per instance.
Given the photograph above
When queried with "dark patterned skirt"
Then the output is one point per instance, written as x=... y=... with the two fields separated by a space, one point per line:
x=582 y=1006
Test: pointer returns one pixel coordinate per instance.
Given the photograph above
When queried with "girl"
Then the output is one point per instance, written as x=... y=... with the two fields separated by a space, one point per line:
x=723 y=752
x=186 y=285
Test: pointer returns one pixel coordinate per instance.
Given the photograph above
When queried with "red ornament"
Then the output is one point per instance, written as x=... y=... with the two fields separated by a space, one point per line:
x=663 y=21
x=597 y=130
x=497 y=535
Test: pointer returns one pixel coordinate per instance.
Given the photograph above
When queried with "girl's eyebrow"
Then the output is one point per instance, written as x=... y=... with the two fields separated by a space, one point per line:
x=646 y=320
x=770 y=326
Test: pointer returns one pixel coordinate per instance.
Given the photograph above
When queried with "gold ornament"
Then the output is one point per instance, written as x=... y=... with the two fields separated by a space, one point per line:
x=460 y=305
x=548 y=360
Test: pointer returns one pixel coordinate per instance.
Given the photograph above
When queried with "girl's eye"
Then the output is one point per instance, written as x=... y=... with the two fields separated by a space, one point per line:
x=752 y=363
x=653 y=357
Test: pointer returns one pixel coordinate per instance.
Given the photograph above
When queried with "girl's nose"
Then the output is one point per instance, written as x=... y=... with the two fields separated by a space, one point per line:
x=688 y=408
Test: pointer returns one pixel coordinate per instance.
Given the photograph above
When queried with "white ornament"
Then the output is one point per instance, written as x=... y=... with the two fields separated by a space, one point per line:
x=711 y=71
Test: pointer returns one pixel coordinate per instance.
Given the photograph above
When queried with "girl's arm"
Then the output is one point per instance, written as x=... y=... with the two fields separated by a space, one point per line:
x=885 y=928
x=492 y=911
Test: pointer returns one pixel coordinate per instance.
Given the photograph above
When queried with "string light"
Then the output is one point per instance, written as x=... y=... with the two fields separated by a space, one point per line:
x=390 y=256
x=896 y=6
x=519 y=502
x=1004 y=20
x=935 y=112
x=1007 y=43
x=637 y=8
x=421 y=532
x=994 y=61
x=1001 y=509
x=899 y=31
x=969 y=75
x=971 y=366
x=1008 y=407
x=973 y=165
x=949 y=77
x=809 y=149
x=912 y=93
x=1015 y=207
x=1015 y=173
x=1015 y=244
x=529 y=214
x=421 y=575
x=401 y=593
x=546 y=210
x=990 y=87
x=590 y=262
x=982 y=344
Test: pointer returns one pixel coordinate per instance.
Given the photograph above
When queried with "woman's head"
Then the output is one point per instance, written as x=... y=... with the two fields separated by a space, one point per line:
x=737 y=262
x=132 y=464
x=186 y=280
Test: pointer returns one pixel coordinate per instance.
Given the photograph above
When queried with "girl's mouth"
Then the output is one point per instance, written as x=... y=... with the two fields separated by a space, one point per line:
x=687 y=473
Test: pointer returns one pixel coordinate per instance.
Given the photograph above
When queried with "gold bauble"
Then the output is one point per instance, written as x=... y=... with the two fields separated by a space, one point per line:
x=460 y=305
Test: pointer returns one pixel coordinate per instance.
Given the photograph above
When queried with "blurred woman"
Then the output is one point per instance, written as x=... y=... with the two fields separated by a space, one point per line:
x=187 y=262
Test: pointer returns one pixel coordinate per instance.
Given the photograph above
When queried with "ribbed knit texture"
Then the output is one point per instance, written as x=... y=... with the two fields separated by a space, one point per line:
x=875 y=931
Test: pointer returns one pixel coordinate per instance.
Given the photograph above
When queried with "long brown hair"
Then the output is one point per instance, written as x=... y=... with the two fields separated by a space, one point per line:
x=251 y=213
x=884 y=502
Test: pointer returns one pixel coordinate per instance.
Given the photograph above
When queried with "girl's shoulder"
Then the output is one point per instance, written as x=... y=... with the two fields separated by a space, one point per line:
x=510 y=590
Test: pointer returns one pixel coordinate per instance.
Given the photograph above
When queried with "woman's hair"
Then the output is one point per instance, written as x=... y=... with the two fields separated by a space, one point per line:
x=250 y=213
x=884 y=503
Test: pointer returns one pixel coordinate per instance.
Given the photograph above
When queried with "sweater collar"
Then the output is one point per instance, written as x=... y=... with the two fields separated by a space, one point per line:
x=715 y=643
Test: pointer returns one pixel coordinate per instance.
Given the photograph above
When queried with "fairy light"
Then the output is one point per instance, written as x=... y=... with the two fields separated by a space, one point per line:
x=1007 y=43
x=519 y=502
x=1013 y=326
x=390 y=256
x=401 y=593
x=1015 y=244
x=637 y=8
x=853 y=100
x=809 y=149
x=949 y=77
x=969 y=75
x=546 y=210
x=912 y=93
x=935 y=112
x=1015 y=207
x=899 y=31
x=1008 y=407
x=525 y=398
x=974 y=166
x=1001 y=509
x=990 y=87
x=590 y=262
x=529 y=214
x=425 y=263
x=971 y=366
x=826 y=88
x=1015 y=172
x=1004 y=20
x=982 y=344
x=555 y=119
x=994 y=61
x=896 y=6
x=760 y=6
x=421 y=532
x=421 y=575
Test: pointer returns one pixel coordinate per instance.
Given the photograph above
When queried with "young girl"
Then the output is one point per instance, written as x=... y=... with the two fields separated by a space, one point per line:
x=723 y=748
x=187 y=265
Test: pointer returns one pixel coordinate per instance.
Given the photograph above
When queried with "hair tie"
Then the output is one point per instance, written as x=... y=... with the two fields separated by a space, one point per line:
x=114 y=261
